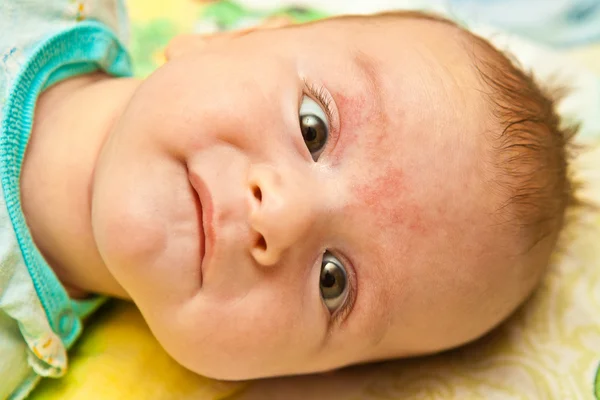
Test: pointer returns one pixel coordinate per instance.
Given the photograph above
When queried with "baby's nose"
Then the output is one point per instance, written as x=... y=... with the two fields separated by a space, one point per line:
x=282 y=212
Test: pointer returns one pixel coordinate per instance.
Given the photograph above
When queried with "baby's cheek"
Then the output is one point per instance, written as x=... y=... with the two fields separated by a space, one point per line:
x=123 y=232
x=260 y=335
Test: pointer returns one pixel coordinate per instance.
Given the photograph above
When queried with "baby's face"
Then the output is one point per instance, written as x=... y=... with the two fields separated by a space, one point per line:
x=295 y=200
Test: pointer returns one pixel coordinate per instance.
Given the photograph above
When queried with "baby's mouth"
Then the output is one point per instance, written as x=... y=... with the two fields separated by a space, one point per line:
x=203 y=203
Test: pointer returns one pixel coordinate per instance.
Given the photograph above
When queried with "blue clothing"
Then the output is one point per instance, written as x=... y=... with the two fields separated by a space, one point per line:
x=42 y=42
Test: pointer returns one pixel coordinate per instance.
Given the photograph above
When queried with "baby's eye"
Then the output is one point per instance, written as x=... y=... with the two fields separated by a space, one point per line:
x=314 y=126
x=333 y=283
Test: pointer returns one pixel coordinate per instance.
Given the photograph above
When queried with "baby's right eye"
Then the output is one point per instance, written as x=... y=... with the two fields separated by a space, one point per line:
x=314 y=126
x=333 y=283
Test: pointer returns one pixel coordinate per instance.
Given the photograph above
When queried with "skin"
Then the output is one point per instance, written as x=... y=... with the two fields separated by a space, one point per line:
x=212 y=139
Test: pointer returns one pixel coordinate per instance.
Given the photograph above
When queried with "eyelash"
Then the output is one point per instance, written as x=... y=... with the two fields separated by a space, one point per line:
x=321 y=95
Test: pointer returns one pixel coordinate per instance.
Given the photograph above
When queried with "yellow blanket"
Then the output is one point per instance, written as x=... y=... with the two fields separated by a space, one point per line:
x=550 y=349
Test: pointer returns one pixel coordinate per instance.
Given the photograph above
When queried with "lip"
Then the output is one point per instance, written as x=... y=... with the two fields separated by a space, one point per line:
x=204 y=220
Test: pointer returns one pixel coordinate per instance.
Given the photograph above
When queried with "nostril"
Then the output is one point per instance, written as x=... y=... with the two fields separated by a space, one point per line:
x=256 y=192
x=261 y=243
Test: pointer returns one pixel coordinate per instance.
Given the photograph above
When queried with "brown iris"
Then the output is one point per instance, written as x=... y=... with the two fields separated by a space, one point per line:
x=314 y=132
x=333 y=282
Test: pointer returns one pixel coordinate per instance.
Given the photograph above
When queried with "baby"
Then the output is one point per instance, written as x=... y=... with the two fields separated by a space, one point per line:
x=278 y=201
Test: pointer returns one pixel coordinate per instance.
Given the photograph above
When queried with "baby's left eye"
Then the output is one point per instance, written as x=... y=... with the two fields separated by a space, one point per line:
x=314 y=126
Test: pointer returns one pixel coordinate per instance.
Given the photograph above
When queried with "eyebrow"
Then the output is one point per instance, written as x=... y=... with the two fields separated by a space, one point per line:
x=376 y=307
x=369 y=76
x=372 y=77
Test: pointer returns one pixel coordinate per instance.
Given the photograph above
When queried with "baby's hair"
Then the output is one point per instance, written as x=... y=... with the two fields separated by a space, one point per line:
x=532 y=151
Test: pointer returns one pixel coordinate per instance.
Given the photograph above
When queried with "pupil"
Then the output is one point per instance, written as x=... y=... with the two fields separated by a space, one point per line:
x=310 y=134
x=328 y=280
x=310 y=125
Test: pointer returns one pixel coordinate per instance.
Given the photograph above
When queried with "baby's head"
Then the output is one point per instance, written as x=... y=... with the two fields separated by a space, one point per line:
x=299 y=199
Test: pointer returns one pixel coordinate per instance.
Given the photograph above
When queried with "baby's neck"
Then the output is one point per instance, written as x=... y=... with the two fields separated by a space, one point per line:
x=72 y=121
